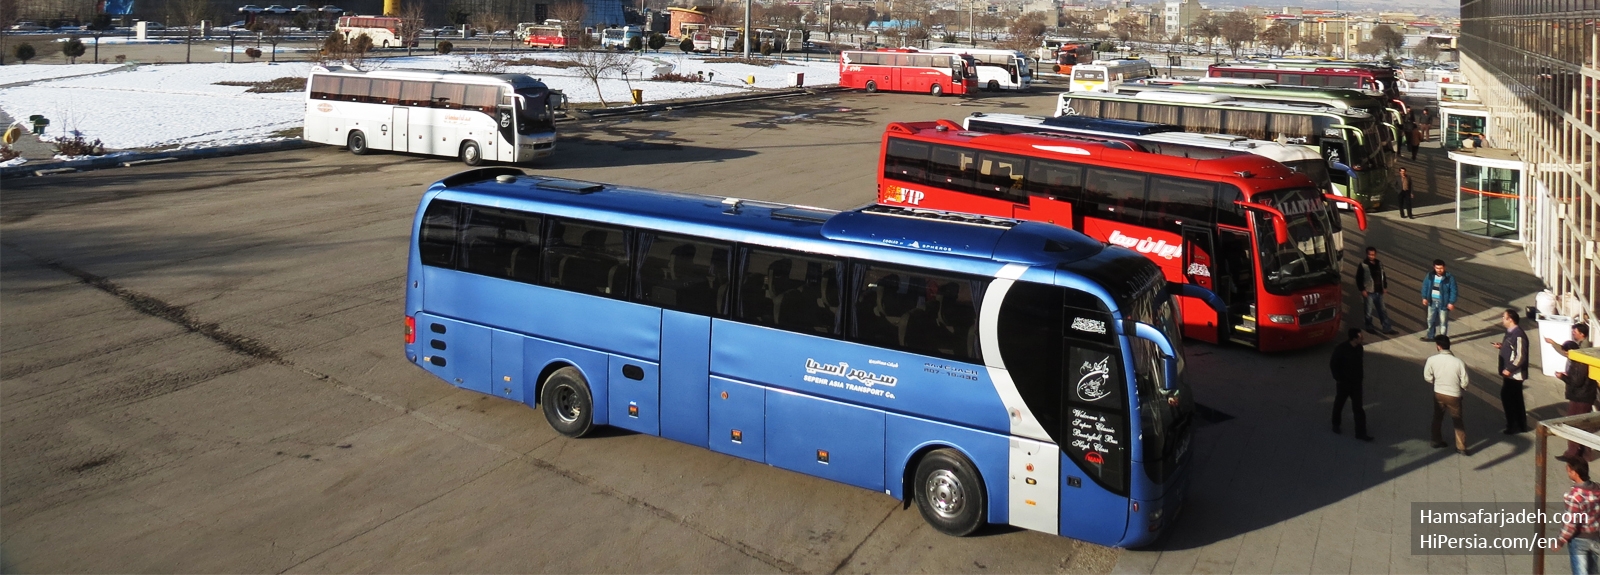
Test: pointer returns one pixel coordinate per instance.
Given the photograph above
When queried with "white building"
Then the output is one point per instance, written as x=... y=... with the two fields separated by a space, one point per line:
x=1177 y=14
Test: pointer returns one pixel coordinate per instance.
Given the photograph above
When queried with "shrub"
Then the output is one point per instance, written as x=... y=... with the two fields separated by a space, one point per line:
x=676 y=77
x=657 y=41
x=361 y=44
x=24 y=52
x=636 y=43
x=445 y=47
x=687 y=45
x=121 y=58
x=766 y=49
x=72 y=49
x=7 y=153
x=77 y=145
x=253 y=53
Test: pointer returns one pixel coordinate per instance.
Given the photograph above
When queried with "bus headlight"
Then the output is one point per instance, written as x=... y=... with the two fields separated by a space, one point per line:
x=1280 y=318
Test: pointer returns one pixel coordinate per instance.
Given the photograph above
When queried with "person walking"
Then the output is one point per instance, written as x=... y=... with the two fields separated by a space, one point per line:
x=1513 y=370
x=1581 y=532
x=1348 y=370
x=1414 y=141
x=1372 y=282
x=1581 y=393
x=1406 y=199
x=1439 y=298
x=1448 y=375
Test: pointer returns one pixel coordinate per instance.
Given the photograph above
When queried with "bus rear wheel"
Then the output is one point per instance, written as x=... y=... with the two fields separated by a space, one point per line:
x=357 y=143
x=936 y=90
x=949 y=493
x=471 y=155
x=994 y=85
x=872 y=86
x=568 y=405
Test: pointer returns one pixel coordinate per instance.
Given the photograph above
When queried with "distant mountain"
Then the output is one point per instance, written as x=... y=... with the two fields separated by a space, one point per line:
x=1446 y=8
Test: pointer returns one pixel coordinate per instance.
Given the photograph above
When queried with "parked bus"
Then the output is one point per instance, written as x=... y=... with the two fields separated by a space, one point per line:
x=1380 y=79
x=908 y=70
x=1106 y=75
x=545 y=35
x=1348 y=139
x=997 y=69
x=475 y=117
x=699 y=35
x=617 y=38
x=384 y=31
x=725 y=40
x=781 y=40
x=992 y=371
x=1070 y=55
x=1249 y=240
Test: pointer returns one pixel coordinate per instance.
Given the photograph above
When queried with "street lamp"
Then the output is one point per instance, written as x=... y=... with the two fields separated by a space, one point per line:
x=747 y=29
x=972 y=15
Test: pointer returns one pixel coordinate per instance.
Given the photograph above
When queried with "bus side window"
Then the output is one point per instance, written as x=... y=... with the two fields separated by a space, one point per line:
x=324 y=87
x=355 y=89
x=500 y=243
x=449 y=96
x=906 y=161
x=680 y=273
x=385 y=92
x=1248 y=124
x=1228 y=212
x=1060 y=180
x=1290 y=80
x=1174 y=202
x=481 y=99
x=1000 y=176
x=1267 y=76
x=952 y=168
x=793 y=291
x=918 y=311
x=415 y=93
x=1114 y=195
x=586 y=258
x=436 y=241
x=1315 y=80
x=1344 y=82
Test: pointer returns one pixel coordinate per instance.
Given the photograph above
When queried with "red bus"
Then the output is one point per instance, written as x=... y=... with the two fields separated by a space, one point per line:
x=545 y=36
x=1069 y=55
x=1319 y=74
x=907 y=70
x=1248 y=241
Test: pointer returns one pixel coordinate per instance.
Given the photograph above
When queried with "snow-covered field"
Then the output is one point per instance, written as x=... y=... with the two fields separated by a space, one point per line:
x=182 y=105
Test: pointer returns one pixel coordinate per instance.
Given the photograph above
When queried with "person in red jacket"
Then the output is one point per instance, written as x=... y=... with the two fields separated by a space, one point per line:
x=1581 y=533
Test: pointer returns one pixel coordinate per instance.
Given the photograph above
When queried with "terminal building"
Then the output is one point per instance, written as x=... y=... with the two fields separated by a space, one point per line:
x=1523 y=133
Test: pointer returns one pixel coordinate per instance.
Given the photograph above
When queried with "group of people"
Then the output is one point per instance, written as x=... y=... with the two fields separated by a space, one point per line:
x=1438 y=296
x=1416 y=128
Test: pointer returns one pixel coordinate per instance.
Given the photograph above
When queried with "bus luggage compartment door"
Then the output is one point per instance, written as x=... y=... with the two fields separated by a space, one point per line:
x=455 y=351
x=825 y=438
x=400 y=134
x=635 y=395
x=738 y=419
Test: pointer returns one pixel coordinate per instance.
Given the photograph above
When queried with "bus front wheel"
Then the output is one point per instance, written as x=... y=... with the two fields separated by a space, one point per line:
x=872 y=86
x=936 y=90
x=357 y=143
x=470 y=154
x=949 y=493
x=568 y=406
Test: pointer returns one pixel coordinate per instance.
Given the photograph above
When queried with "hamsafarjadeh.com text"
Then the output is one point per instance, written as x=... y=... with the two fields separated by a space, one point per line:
x=1487 y=528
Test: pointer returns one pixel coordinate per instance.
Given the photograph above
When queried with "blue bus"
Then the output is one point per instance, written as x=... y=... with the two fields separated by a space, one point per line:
x=991 y=370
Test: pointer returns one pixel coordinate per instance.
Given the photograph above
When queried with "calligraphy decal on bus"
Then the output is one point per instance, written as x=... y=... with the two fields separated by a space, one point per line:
x=860 y=380
x=1147 y=246
x=1093 y=379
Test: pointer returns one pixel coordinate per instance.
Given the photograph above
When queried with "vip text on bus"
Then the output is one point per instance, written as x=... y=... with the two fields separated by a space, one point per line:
x=1249 y=241
x=475 y=117
x=992 y=371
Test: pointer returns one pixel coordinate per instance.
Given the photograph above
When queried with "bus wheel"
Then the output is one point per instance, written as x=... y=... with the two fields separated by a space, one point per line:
x=567 y=404
x=470 y=154
x=936 y=90
x=994 y=85
x=872 y=86
x=949 y=493
x=358 y=143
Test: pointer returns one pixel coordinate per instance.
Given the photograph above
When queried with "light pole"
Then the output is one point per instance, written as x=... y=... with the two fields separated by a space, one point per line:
x=747 y=29
x=972 y=16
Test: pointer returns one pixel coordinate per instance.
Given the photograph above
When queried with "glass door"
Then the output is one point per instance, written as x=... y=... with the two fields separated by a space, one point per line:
x=1489 y=201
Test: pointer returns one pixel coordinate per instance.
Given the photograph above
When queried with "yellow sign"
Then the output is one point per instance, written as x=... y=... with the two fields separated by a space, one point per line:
x=12 y=134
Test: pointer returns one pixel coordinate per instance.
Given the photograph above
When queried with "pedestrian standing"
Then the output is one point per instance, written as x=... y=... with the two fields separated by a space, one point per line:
x=1448 y=375
x=1439 y=298
x=1581 y=393
x=1414 y=140
x=1581 y=532
x=1513 y=370
x=1348 y=370
x=1373 y=283
x=1406 y=199
x=1427 y=124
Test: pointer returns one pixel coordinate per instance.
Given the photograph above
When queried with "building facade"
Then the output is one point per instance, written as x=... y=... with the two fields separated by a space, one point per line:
x=1532 y=64
x=1177 y=14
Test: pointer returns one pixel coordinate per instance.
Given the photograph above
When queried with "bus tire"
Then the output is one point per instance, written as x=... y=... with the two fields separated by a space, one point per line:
x=949 y=493
x=994 y=85
x=872 y=86
x=357 y=143
x=568 y=405
x=471 y=154
x=936 y=90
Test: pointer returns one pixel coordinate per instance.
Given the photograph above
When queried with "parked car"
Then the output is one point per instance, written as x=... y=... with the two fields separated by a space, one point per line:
x=301 y=9
x=250 y=8
x=26 y=26
x=154 y=26
x=275 y=9
x=331 y=10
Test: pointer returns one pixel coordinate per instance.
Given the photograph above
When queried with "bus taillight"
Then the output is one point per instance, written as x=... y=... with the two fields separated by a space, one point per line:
x=411 y=330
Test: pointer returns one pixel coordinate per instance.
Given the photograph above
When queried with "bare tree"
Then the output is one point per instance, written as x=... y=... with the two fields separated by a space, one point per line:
x=1278 y=36
x=1076 y=25
x=491 y=22
x=594 y=65
x=1426 y=50
x=1207 y=26
x=571 y=13
x=1238 y=29
x=1128 y=28
x=412 y=19
x=1027 y=32
x=1389 y=40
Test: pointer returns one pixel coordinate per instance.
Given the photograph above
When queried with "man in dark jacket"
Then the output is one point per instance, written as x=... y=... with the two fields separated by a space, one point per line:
x=1347 y=368
x=1406 y=197
x=1581 y=392
x=1513 y=370
x=1373 y=284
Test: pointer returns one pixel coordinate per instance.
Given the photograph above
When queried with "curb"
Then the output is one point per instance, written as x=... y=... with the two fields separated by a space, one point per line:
x=720 y=100
x=124 y=160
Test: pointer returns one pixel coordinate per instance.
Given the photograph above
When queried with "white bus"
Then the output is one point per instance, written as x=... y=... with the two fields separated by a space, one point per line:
x=1106 y=75
x=475 y=117
x=385 y=31
x=997 y=69
x=617 y=38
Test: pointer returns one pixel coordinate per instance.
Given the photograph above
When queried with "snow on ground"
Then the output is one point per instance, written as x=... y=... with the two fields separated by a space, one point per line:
x=109 y=40
x=181 y=104
x=14 y=73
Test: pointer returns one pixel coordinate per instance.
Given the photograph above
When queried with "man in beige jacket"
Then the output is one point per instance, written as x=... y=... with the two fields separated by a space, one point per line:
x=1448 y=374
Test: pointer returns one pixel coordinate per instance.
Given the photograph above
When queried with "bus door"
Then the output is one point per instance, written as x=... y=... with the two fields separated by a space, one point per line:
x=1338 y=158
x=1199 y=320
x=896 y=80
x=399 y=129
x=1234 y=280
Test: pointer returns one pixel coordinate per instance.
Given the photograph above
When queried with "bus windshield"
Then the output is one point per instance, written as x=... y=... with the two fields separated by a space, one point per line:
x=1306 y=258
x=534 y=112
x=1315 y=168
x=1090 y=75
x=1165 y=408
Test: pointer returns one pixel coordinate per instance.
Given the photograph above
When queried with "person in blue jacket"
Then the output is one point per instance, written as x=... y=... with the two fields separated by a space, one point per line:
x=1439 y=297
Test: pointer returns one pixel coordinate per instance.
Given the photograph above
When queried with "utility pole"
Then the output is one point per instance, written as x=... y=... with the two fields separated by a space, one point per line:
x=972 y=16
x=747 y=29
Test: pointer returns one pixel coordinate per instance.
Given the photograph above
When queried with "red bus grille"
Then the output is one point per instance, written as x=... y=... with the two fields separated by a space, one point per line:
x=1318 y=316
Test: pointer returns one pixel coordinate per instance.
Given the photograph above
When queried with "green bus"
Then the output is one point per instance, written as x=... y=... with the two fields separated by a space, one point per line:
x=1350 y=139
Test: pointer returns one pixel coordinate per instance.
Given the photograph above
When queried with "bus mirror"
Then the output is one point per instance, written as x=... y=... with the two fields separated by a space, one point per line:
x=1280 y=222
x=1361 y=212
x=558 y=101
x=1149 y=332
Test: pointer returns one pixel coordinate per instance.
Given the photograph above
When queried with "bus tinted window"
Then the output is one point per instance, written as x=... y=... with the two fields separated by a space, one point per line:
x=790 y=290
x=1030 y=333
x=586 y=258
x=500 y=243
x=324 y=87
x=1174 y=201
x=449 y=96
x=354 y=89
x=481 y=99
x=684 y=274
x=906 y=161
x=1114 y=194
x=436 y=244
x=1267 y=76
x=1314 y=80
x=1293 y=125
x=385 y=92
x=1344 y=82
x=1058 y=179
x=1000 y=175
x=952 y=168
x=415 y=93
x=1229 y=212
x=1289 y=79
x=928 y=313
x=1251 y=125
